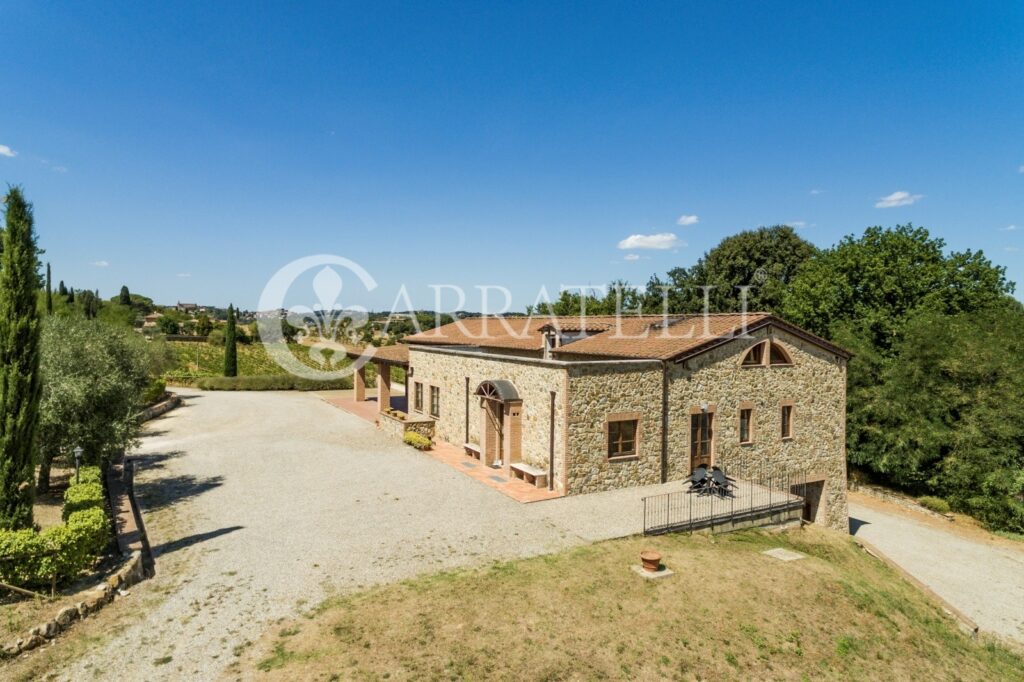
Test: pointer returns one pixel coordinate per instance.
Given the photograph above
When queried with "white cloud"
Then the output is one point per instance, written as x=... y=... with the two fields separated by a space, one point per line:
x=7 y=151
x=663 y=240
x=900 y=198
x=632 y=256
x=1008 y=228
x=687 y=220
x=1011 y=249
x=184 y=274
x=816 y=192
x=100 y=263
x=798 y=224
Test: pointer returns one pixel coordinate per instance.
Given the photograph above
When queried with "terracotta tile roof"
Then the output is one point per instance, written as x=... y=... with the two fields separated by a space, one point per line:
x=631 y=336
x=397 y=353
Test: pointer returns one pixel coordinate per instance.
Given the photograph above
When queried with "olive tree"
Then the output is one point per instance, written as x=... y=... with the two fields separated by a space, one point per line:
x=94 y=375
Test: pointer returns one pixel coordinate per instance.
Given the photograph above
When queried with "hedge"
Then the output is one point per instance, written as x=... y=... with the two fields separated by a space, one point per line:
x=272 y=382
x=82 y=496
x=416 y=440
x=90 y=474
x=31 y=558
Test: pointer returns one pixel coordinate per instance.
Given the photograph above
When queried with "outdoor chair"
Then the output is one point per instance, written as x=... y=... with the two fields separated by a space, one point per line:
x=699 y=480
x=722 y=484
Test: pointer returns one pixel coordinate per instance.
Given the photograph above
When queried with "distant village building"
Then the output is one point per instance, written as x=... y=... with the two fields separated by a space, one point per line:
x=150 y=321
x=187 y=307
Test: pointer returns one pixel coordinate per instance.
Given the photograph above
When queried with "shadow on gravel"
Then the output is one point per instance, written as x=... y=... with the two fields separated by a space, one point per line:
x=150 y=433
x=168 y=491
x=855 y=525
x=154 y=460
x=190 y=540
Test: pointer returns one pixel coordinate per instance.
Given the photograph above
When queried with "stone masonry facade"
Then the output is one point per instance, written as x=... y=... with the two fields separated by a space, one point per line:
x=589 y=394
x=814 y=384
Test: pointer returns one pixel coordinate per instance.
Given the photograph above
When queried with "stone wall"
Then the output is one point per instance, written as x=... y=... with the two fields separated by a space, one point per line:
x=816 y=385
x=533 y=378
x=597 y=391
x=397 y=428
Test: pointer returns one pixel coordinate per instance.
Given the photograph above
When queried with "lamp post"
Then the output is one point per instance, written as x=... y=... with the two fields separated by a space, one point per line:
x=78 y=463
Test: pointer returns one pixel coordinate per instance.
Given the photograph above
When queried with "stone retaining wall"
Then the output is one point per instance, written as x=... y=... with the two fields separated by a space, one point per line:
x=83 y=604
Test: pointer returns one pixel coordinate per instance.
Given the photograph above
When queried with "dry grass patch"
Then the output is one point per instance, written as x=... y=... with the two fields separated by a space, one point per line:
x=728 y=611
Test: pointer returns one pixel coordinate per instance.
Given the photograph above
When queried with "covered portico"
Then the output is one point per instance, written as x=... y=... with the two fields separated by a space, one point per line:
x=383 y=358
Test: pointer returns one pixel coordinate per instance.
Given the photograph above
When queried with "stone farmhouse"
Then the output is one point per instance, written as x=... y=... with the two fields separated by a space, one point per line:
x=589 y=404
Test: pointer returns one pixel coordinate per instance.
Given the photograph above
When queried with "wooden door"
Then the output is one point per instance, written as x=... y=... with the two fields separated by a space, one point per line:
x=701 y=433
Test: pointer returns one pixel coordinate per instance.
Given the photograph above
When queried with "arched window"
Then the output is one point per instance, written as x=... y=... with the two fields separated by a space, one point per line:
x=766 y=353
x=754 y=356
x=777 y=355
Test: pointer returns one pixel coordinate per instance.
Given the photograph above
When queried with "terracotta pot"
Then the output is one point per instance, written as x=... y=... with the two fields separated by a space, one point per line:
x=651 y=560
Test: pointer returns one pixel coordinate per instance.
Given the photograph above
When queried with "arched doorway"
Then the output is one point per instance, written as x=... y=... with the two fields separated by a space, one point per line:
x=500 y=427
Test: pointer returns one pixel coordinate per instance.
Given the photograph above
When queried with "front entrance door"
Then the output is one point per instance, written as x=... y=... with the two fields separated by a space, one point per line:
x=493 y=435
x=701 y=425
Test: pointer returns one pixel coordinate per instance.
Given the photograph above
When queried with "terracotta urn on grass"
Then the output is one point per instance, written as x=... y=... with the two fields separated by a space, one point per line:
x=651 y=560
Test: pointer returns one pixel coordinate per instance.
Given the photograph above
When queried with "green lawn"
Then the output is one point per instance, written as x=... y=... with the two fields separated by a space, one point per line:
x=729 y=612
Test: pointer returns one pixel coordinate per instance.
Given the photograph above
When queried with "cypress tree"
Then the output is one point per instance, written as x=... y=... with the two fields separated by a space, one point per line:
x=230 y=349
x=49 y=292
x=20 y=385
x=125 y=298
x=71 y=295
x=62 y=290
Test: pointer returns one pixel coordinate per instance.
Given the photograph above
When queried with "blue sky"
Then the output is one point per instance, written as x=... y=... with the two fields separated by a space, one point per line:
x=191 y=151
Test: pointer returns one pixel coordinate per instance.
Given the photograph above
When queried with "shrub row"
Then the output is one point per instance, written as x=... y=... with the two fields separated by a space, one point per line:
x=31 y=558
x=416 y=440
x=275 y=382
x=89 y=474
x=81 y=497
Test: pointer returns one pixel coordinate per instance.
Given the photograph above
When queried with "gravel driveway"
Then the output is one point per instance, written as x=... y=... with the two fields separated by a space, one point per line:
x=261 y=504
x=985 y=581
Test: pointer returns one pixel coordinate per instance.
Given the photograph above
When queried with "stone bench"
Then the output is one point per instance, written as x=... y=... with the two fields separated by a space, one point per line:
x=472 y=450
x=530 y=474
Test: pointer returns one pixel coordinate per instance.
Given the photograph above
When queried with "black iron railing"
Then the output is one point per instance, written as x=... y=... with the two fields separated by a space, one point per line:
x=748 y=498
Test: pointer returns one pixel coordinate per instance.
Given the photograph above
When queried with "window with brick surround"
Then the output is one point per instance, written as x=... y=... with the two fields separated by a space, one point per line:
x=622 y=436
x=787 y=422
x=746 y=420
x=435 y=401
x=754 y=356
x=417 y=401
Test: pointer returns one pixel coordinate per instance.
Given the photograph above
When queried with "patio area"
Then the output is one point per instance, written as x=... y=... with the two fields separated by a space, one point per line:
x=452 y=455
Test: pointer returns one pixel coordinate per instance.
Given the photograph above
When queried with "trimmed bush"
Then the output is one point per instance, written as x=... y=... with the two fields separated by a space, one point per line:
x=76 y=543
x=273 y=382
x=64 y=550
x=22 y=551
x=90 y=474
x=417 y=441
x=154 y=392
x=936 y=504
x=82 y=496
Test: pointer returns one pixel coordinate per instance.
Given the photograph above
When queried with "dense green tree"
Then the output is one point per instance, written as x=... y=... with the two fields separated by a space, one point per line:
x=230 y=345
x=62 y=290
x=90 y=399
x=125 y=297
x=90 y=304
x=204 y=325
x=71 y=295
x=947 y=417
x=49 y=292
x=617 y=296
x=764 y=260
x=876 y=281
x=20 y=384
x=168 y=325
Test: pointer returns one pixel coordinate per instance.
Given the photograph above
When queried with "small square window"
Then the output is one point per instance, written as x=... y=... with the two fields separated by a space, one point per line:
x=622 y=438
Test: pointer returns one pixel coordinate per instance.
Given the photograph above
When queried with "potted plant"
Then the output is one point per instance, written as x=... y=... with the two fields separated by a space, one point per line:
x=651 y=560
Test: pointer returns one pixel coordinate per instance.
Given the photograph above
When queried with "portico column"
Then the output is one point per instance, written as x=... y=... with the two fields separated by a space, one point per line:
x=359 y=384
x=383 y=387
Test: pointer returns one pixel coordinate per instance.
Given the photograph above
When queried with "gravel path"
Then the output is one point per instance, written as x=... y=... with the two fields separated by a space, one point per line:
x=261 y=504
x=984 y=581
